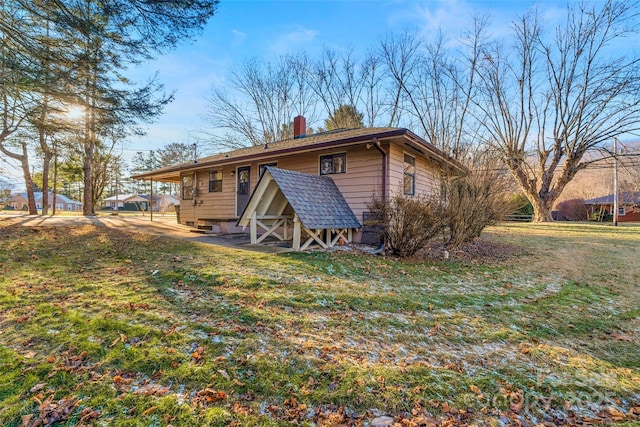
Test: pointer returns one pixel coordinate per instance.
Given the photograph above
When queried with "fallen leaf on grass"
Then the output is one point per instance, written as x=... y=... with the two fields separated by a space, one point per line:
x=26 y=420
x=616 y=415
x=621 y=337
x=208 y=395
x=89 y=414
x=197 y=356
x=149 y=410
x=36 y=388
x=54 y=412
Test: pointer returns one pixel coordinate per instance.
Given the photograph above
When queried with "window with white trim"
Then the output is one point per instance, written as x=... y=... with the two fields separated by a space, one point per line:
x=621 y=211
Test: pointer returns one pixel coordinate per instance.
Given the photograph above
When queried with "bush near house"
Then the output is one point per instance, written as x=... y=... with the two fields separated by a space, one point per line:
x=469 y=205
x=410 y=223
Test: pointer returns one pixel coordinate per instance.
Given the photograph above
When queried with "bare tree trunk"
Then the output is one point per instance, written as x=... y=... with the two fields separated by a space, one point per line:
x=542 y=209
x=46 y=161
x=55 y=182
x=87 y=168
x=28 y=179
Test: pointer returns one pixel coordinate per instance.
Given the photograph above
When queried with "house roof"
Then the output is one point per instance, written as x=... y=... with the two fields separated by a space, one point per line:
x=125 y=197
x=315 y=199
x=306 y=143
x=60 y=197
x=626 y=197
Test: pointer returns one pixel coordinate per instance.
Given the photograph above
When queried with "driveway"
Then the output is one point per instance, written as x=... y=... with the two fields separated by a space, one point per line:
x=165 y=226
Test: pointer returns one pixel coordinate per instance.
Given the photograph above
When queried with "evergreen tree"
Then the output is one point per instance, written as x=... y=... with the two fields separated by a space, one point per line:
x=344 y=117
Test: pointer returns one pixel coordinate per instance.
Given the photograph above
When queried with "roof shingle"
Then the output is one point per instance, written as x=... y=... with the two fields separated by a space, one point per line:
x=315 y=199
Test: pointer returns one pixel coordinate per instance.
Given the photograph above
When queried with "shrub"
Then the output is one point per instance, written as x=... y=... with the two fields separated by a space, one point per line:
x=470 y=204
x=521 y=205
x=409 y=223
x=477 y=200
x=572 y=210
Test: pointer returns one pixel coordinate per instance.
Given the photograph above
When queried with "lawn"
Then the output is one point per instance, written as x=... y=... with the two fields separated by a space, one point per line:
x=101 y=327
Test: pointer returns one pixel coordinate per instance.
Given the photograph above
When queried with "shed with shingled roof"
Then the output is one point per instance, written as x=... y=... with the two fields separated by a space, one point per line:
x=312 y=205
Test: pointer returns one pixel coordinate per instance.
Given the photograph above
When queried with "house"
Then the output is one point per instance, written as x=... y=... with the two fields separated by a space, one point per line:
x=140 y=202
x=127 y=202
x=628 y=206
x=19 y=201
x=337 y=174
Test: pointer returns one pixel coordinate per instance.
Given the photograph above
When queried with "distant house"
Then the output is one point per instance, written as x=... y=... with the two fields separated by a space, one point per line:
x=164 y=202
x=19 y=201
x=127 y=202
x=628 y=206
x=308 y=189
x=140 y=202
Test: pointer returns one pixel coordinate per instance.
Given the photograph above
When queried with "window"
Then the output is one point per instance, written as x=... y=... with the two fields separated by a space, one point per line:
x=261 y=168
x=334 y=163
x=187 y=187
x=621 y=211
x=243 y=180
x=215 y=181
x=409 y=183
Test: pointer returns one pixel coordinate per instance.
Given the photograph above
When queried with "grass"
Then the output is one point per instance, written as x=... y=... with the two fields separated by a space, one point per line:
x=102 y=327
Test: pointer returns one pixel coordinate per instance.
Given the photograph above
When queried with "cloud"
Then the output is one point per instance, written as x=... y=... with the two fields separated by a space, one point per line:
x=294 y=40
x=238 y=37
x=453 y=17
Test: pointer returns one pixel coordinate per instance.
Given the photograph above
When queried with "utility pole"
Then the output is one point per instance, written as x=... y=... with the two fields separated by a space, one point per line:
x=615 y=182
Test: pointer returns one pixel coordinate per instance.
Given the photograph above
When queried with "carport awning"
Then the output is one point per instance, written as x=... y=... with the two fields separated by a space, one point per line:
x=315 y=200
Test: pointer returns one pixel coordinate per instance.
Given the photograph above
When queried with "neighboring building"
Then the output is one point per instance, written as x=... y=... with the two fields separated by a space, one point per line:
x=127 y=202
x=628 y=206
x=63 y=203
x=140 y=202
x=363 y=164
x=165 y=203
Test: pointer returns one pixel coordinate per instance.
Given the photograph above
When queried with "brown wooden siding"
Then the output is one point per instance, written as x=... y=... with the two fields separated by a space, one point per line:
x=427 y=173
x=358 y=185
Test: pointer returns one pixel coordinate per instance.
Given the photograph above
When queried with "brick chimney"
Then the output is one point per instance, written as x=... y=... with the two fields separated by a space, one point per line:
x=299 y=127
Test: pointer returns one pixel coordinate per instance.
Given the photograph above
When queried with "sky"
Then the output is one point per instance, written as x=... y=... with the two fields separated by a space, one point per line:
x=242 y=29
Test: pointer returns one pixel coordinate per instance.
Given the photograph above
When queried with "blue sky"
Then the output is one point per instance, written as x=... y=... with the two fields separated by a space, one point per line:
x=243 y=29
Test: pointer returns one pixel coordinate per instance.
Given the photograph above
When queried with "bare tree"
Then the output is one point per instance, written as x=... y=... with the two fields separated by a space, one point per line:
x=264 y=98
x=338 y=80
x=374 y=96
x=549 y=102
x=401 y=58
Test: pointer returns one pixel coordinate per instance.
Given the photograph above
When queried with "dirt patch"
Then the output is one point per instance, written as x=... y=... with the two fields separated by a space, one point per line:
x=480 y=250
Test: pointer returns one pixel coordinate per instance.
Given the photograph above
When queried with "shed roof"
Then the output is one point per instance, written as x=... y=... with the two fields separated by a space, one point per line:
x=315 y=199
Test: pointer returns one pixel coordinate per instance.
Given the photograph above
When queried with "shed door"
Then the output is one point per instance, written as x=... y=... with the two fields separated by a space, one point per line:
x=243 y=189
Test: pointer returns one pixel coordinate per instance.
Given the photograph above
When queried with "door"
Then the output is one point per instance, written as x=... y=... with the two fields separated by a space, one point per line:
x=243 y=189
